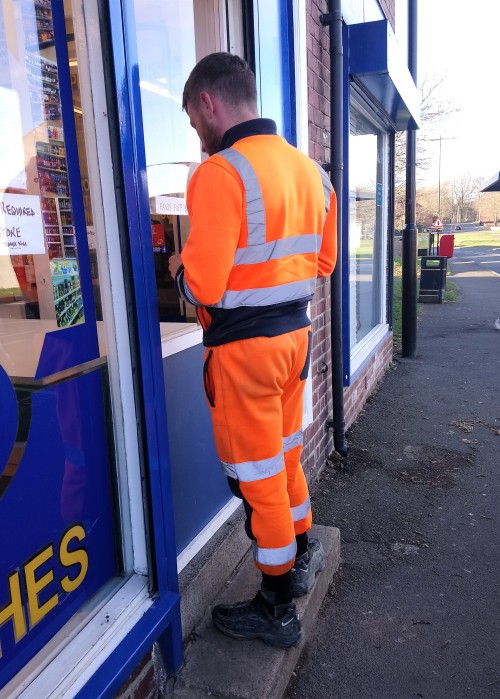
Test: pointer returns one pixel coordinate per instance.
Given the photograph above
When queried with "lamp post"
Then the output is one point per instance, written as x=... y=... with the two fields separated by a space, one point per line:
x=440 y=139
x=439 y=180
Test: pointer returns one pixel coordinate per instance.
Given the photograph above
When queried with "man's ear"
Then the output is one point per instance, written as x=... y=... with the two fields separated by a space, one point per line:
x=207 y=104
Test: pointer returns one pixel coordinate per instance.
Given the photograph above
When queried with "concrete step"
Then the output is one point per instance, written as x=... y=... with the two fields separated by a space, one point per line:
x=218 y=666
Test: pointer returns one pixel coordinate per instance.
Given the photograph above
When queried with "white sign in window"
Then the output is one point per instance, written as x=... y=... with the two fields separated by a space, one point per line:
x=21 y=228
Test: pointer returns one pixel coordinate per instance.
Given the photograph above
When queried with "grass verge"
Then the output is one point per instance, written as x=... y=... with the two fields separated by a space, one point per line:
x=474 y=240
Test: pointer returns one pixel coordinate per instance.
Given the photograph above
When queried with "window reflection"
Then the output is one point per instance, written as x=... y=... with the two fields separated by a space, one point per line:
x=40 y=276
x=366 y=197
x=167 y=53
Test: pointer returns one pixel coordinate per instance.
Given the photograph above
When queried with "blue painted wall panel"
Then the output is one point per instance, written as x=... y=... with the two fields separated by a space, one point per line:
x=199 y=487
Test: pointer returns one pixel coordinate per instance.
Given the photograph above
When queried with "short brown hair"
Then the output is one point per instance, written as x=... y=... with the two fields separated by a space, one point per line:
x=226 y=75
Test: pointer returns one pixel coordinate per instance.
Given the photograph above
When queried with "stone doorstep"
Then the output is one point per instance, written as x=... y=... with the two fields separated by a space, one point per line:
x=216 y=665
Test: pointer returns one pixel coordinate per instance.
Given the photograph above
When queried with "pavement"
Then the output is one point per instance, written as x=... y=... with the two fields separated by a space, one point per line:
x=414 y=611
x=414 y=608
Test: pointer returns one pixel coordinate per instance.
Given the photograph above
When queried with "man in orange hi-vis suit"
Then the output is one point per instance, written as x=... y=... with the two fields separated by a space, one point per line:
x=263 y=228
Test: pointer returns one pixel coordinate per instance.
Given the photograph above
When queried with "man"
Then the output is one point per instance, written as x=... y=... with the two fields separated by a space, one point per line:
x=263 y=227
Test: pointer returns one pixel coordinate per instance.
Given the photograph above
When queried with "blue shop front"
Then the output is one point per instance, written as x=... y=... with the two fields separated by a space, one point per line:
x=104 y=426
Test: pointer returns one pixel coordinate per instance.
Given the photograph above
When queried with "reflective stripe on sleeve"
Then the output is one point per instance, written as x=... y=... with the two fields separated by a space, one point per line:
x=327 y=185
x=301 y=511
x=248 y=471
x=184 y=290
x=256 y=215
x=276 y=249
x=269 y=295
x=274 y=557
x=294 y=440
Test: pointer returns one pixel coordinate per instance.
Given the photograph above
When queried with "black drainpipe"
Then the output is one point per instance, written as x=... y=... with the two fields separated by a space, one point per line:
x=409 y=272
x=334 y=21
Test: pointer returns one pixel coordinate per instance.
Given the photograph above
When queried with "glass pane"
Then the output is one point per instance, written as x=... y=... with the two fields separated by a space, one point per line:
x=270 y=81
x=56 y=451
x=366 y=152
x=171 y=36
x=39 y=265
x=167 y=54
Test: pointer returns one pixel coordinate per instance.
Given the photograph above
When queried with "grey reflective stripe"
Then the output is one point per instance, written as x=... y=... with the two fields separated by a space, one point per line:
x=293 y=440
x=248 y=471
x=301 y=511
x=256 y=217
x=276 y=249
x=274 y=557
x=327 y=185
x=185 y=291
x=268 y=295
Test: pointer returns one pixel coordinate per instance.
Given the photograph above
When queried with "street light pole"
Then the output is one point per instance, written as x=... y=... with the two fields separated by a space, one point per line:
x=440 y=139
x=439 y=181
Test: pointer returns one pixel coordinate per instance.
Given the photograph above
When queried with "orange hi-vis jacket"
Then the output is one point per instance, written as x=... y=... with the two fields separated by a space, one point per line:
x=263 y=228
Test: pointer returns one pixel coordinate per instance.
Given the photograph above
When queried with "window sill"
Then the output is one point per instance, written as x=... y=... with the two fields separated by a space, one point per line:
x=82 y=646
x=176 y=337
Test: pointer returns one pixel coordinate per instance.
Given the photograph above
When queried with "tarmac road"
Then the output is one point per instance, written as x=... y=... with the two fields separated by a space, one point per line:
x=415 y=610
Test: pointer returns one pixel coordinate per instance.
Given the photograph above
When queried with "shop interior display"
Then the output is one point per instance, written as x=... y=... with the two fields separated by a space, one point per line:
x=51 y=163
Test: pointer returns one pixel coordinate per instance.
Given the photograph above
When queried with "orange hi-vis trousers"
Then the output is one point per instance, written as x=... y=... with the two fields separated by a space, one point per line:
x=255 y=391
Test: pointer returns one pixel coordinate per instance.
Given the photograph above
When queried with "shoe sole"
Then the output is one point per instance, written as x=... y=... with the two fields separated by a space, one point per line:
x=270 y=641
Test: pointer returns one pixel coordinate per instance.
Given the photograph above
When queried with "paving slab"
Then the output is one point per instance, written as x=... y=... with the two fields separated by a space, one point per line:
x=218 y=666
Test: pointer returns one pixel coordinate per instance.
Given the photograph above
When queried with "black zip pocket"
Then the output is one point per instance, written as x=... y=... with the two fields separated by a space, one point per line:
x=208 y=393
x=305 y=370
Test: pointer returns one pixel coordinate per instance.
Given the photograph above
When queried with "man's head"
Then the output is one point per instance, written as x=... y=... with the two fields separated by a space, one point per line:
x=219 y=93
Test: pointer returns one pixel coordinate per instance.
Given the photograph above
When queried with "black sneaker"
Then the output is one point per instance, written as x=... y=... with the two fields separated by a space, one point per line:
x=305 y=568
x=252 y=619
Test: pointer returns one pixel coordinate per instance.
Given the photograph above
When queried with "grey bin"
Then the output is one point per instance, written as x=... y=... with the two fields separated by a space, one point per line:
x=432 y=279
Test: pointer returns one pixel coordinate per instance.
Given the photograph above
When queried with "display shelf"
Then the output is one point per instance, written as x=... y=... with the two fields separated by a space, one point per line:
x=60 y=298
x=73 y=318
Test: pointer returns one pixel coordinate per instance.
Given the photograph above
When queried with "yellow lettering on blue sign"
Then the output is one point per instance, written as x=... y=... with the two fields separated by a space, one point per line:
x=69 y=558
x=34 y=586
x=14 y=611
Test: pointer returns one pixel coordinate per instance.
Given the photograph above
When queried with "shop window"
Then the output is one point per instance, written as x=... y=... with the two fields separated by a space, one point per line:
x=275 y=87
x=171 y=37
x=368 y=148
x=59 y=463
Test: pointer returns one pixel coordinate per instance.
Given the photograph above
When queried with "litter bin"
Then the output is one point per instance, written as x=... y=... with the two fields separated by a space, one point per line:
x=432 y=279
x=446 y=245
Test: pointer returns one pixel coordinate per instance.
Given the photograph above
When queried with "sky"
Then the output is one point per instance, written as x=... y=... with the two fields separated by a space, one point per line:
x=459 y=40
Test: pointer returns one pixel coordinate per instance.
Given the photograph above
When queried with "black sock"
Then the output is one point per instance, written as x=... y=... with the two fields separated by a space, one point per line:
x=302 y=542
x=277 y=589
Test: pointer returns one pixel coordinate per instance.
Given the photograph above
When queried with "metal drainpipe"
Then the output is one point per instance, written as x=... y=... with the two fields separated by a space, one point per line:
x=409 y=282
x=334 y=21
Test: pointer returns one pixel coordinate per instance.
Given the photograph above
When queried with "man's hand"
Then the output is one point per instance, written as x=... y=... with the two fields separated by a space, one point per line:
x=174 y=263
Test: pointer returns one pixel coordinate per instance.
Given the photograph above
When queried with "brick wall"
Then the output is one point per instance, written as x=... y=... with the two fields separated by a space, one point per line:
x=148 y=681
x=356 y=394
x=318 y=442
x=318 y=81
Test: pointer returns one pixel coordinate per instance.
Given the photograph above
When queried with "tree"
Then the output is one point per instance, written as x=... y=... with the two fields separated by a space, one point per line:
x=435 y=110
x=487 y=207
x=465 y=190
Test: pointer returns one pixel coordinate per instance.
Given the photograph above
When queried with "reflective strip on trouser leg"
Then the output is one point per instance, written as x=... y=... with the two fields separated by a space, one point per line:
x=292 y=447
x=248 y=380
x=300 y=512
x=303 y=510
